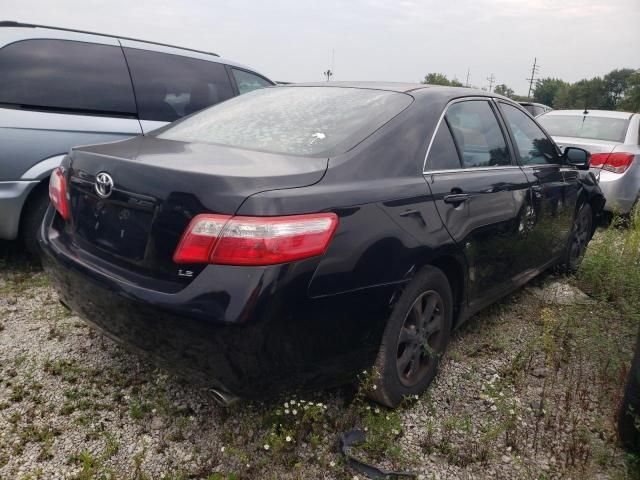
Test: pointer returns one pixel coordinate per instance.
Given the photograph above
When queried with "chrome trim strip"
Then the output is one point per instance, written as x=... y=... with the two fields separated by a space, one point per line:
x=472 y=169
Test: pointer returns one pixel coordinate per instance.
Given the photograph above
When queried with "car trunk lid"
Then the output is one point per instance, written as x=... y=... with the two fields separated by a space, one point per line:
x=158 y=186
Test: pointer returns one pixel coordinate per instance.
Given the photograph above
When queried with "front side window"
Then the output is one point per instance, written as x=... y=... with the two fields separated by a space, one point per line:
x=477 y=134
x=169 y=86
x=293 y=120
x=534 y=147
x=443 y=154
x=247 y=82
x=66 y=75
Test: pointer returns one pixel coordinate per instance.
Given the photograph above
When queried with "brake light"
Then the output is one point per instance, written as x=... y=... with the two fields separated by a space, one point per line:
x=58 y=193
x=226 y=240
x=598 y=159
x=616 y=162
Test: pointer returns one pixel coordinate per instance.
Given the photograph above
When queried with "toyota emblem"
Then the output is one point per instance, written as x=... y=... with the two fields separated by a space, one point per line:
x=104 y=184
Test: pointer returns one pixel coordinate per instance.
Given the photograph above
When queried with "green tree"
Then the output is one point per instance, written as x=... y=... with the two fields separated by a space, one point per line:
x=631 y=100
x=436 y=79
x=502 y=89
x=546 y=89
x=617 y=85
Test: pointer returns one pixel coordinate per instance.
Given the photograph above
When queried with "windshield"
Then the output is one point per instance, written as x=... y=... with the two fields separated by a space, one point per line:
x=585 y=126
x=292 y=120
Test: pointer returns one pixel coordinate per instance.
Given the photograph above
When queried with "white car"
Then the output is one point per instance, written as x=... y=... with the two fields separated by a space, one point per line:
x=613 y=140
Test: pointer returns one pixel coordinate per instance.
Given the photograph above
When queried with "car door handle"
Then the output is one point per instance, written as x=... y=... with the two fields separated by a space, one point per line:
x=536 y=188
x=456 y=198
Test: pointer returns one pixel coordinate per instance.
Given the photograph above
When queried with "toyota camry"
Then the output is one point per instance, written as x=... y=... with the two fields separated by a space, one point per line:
x=298 y=235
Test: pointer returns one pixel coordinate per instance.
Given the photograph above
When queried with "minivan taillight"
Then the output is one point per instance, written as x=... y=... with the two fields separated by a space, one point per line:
x=58 y=193
x=227 y=240
x=616 y=162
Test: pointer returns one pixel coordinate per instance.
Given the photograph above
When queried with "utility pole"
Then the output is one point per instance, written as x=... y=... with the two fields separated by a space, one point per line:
x=468 y=72
x=491 y=79
x=534 y=70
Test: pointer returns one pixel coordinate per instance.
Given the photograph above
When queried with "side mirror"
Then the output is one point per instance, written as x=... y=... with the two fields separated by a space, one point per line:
x=577 y=157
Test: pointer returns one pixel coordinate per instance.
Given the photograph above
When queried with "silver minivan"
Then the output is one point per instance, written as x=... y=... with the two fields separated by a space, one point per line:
x=61 y=88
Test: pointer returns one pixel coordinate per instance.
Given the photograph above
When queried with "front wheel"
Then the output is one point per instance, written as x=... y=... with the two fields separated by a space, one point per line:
x=580 y=236
x=414 y=339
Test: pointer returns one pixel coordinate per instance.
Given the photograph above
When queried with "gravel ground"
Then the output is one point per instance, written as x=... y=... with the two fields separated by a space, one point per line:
x=529 y=389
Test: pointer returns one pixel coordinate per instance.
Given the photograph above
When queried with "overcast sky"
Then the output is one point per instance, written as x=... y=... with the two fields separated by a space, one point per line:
x=401 y=40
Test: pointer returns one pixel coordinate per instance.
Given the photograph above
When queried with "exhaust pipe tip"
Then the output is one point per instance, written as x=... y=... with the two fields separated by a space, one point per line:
x=223 y=398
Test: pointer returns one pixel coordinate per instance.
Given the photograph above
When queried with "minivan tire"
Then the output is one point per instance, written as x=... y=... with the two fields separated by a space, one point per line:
x=32 y=219
x=410 y=334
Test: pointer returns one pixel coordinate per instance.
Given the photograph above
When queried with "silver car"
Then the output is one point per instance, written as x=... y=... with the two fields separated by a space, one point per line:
x=61 y=88
x=613 y=139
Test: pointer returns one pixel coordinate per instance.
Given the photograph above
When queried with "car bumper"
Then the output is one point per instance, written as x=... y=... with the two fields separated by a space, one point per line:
x=251 y=332
x=620 y=190
x=12 y=198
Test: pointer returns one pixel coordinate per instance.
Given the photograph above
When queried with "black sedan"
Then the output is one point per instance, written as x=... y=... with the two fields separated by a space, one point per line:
x=298 y=235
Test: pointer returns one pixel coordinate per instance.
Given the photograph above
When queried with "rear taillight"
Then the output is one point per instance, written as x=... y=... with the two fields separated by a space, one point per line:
x=229 y=240
x=616 y=162
x=58 y=193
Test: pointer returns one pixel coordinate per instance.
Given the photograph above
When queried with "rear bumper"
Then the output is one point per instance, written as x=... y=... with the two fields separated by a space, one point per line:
x=249 y=331
x=12 y=198
x=620 y=190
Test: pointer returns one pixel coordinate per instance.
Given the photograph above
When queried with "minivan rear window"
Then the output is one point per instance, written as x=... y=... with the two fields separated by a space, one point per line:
x=585 y=126
x=295 y=120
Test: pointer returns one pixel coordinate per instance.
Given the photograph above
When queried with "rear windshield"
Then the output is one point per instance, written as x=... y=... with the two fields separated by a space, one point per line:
x=585 y=126
x=292 y=120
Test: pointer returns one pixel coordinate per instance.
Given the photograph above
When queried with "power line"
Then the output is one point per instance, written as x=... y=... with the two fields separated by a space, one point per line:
x=535 y=69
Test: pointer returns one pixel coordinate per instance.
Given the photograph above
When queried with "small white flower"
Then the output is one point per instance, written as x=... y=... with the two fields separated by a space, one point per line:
x=375 y=387
x=512 y=411
x=332 y=463
x=502 y=394
x=368 y=407
x=222 y=449
x=416 y=397
x=266 y=446
x=366 y=429
x=286 y=404
x=286 y=410
x=377 y=410
x=248 y=466
x=395 y=432
x=294 y=411
x=386 y=417
x=288 y=439
x=493 y=408
x=319 y=404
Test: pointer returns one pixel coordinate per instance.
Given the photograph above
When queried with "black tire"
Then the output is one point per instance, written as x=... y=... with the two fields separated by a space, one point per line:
x=32 y=219
x=629 y=415
x=414 y=339
x=579 y=239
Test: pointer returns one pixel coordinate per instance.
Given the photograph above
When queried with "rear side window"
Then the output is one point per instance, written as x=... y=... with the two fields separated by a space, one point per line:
x=477 y=134
x=247 y=82
x=293 y=120
x=443 y=154
x=66 y=75
x=534 y=147
x=169 y=86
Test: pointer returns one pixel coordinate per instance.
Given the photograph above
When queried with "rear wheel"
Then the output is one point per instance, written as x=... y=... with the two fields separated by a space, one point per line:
x=580 y=236
x=415 y=339
x=32 y=219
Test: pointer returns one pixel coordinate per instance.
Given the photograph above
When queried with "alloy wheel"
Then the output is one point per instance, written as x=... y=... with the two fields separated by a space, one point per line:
x=420 y=338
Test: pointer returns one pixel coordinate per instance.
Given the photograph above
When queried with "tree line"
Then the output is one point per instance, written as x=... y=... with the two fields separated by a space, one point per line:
x=617 y=90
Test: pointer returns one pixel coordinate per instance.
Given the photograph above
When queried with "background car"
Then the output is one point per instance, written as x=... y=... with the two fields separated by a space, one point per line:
x=613 y=139
x=299 y=234
x=60 y=88
x=535 y=109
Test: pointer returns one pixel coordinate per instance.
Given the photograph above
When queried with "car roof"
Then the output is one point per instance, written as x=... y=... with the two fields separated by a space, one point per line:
x=593 y=113
x=401 y=87
x=131 y=42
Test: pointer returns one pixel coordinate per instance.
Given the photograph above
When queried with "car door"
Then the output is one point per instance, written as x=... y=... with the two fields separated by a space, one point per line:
x=480 y=194
x=56 y=94
x=554 y=186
